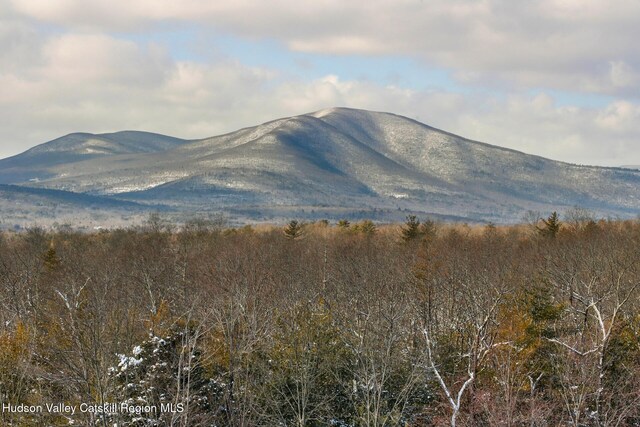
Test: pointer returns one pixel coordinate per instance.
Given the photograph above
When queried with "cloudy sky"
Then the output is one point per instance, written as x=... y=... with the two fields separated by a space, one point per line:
x=558 y=78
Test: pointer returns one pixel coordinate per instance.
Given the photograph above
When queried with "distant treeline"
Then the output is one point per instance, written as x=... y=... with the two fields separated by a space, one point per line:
x=323 y=324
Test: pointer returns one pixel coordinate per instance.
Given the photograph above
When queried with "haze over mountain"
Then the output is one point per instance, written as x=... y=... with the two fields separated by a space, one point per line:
x=332 y=163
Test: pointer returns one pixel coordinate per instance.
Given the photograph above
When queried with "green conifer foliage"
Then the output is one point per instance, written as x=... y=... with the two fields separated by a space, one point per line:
x=551 y=226
x=365 y=227
x=50 y=258
x=293 y=230
x=166 y=373
x=411 y=229
x=343 y=223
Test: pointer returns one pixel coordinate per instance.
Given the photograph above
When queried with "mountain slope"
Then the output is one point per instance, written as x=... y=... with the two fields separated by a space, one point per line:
x=24 y=206
x=35 y=164
x=337 y=160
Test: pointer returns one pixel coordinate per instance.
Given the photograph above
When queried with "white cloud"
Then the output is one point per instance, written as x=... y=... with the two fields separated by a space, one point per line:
x=98 y=83
x=622 y=75
x=96 y=59
x=586 y=45
x=620 y=118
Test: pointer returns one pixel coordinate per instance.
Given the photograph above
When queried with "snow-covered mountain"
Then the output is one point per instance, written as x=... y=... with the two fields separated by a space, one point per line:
x=35 y=164
x=331 y=163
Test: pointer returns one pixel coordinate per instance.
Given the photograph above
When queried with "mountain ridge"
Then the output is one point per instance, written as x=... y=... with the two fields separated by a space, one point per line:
x=337 y=158
x=79 y=146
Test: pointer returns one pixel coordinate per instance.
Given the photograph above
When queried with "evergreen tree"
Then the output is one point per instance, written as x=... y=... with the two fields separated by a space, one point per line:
x=343 y=223
x=428 y=229
x=551 y=225
x=166 y=374
x=411 y=230
x=293 y=230
x=50 y=258
x=308 y=382
x=365 y=227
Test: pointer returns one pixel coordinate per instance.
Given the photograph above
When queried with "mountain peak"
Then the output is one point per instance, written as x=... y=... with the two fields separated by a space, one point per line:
x=333 y=161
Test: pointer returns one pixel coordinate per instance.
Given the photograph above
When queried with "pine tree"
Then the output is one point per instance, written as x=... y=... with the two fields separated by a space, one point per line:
x=411 y=230
x=309 y=360
x=551 y=225
x=365 y=227
x=428 y=230
x=343 y=223
x=293 y=230
x=166 y=373
x=50 y=258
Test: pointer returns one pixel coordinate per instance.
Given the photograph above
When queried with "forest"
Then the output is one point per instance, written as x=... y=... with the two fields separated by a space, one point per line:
x=320 y=324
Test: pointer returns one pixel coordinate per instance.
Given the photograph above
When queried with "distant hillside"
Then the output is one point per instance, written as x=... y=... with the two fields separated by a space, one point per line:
x=25 y=206
x=35 y=164
x=333 y=163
